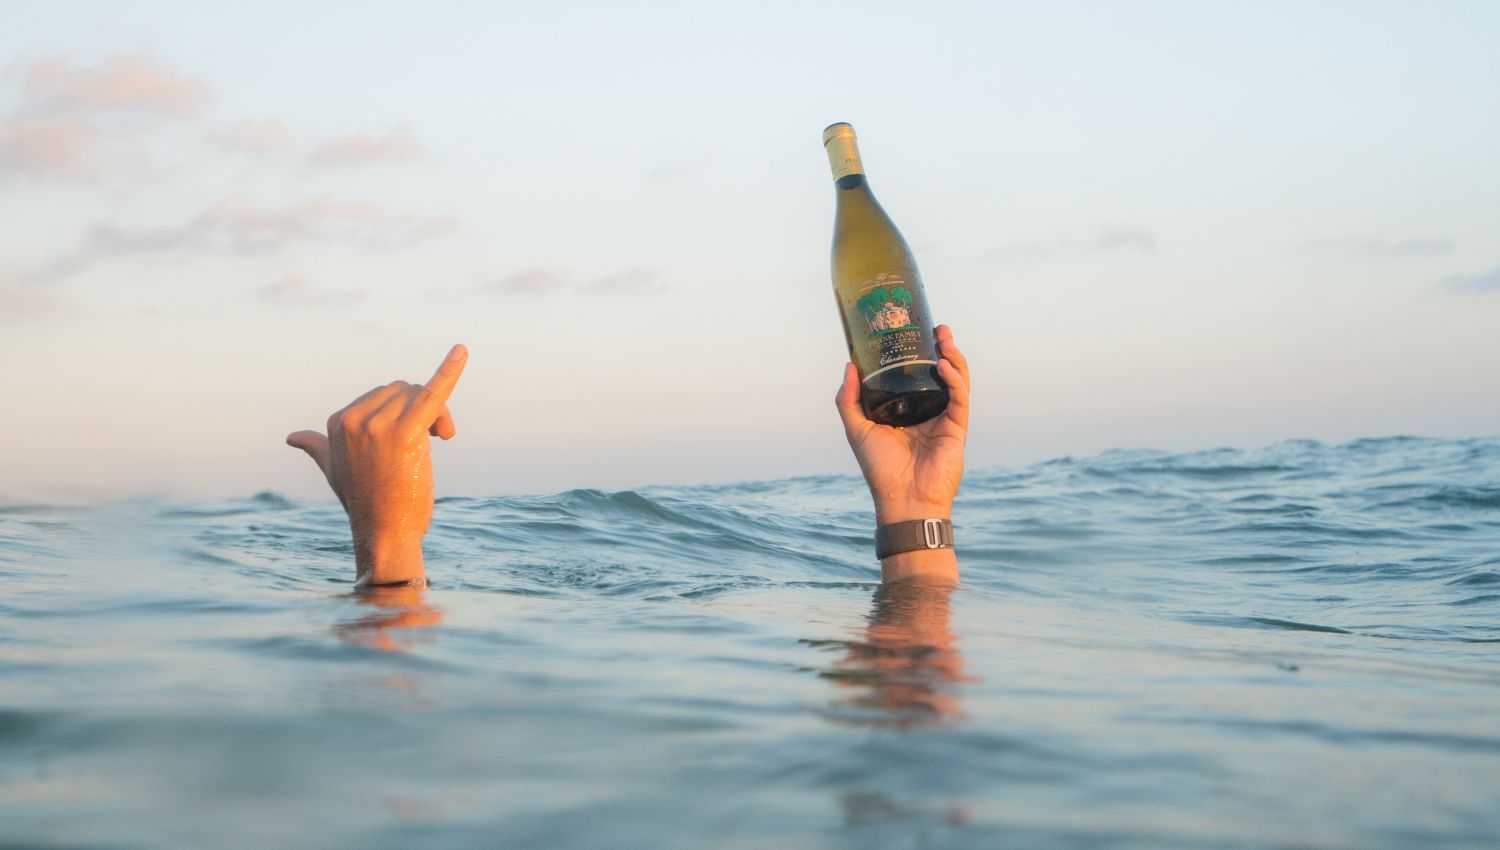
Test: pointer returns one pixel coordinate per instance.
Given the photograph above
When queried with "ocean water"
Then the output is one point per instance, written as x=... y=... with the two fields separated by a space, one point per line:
x=1290 y=647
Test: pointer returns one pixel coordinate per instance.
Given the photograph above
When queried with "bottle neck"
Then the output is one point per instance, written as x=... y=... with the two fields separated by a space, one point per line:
x=843 y=158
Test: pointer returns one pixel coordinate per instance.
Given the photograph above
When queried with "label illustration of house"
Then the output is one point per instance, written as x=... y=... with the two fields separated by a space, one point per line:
x=887 y=309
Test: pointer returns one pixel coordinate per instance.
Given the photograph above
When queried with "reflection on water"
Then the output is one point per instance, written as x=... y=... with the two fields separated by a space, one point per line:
x=873 y=808
x=906 y=670
x=400 y=609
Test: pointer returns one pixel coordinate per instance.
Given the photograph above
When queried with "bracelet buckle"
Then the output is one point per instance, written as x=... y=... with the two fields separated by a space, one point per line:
x=932 y=533
x=913 y=535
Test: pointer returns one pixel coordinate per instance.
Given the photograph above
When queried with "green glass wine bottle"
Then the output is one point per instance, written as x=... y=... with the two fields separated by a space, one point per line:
x=887 y=323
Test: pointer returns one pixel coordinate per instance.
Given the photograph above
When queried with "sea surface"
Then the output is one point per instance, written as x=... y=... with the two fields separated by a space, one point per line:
x=1291 y=647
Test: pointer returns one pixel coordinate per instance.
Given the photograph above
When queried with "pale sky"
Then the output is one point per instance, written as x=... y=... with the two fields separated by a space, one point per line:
x=1167 y=225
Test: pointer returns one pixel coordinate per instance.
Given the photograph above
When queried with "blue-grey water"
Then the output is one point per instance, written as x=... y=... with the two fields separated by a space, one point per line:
x=1290 y=647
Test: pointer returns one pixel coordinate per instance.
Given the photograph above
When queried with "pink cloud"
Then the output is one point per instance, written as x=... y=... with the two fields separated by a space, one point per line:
x=84 y=122
x=249 y=226
x=16 y=301
x=125 y=83
x=240 y=225
x=396 y=145
x=266 y=138
x=19 y=303
x=49 y=145
x=294 y=290
x=537 y=281
x=526 y=282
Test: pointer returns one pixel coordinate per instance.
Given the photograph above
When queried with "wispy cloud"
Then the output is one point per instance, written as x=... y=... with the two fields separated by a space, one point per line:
x=1115 y=239
x=267 y=138
x=245 y=226
x=1473 y=283
x=136 y=84
x=397 y=145
x=19 y=303
x=271 y=139
x=50 y=145
x=295 y=291
x=1413 y=248
x=526 y=282
x=85 y=122
x=238 y=225
x=539 y=281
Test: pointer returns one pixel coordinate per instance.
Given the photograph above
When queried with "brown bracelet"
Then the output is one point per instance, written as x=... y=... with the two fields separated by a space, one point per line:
x=913 y=535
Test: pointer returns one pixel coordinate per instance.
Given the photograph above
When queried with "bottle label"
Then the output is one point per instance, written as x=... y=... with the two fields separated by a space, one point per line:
x=896 y=328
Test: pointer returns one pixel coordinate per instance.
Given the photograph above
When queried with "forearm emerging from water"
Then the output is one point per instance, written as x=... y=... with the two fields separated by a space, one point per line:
x=913 y=472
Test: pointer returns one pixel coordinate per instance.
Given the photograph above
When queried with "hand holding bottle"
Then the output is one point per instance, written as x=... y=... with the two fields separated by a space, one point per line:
x=377 y=459
x=913 y=472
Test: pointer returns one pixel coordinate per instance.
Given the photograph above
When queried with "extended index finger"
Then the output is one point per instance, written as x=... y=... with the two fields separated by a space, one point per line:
x=429 y=404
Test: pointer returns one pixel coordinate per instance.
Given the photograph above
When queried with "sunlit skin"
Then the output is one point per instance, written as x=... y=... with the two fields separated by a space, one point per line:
x=913 y=472
x=377 y=458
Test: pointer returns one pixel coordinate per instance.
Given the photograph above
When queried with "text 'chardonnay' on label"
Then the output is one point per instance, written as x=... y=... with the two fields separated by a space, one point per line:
x=886 y=319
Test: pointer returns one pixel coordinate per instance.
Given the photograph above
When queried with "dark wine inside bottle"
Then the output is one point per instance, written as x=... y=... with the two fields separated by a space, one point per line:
x=887 y=323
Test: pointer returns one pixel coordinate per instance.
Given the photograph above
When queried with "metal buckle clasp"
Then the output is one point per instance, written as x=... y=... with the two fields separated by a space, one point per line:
x=932 y=533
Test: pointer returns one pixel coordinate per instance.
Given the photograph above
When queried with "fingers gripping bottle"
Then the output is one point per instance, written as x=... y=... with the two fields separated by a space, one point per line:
x=886 y=319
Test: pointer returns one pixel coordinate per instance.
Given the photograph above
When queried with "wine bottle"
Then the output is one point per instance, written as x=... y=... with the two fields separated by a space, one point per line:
x=887 y=323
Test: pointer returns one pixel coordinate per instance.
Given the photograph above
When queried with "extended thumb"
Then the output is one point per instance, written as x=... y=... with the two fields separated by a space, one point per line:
x=312 y=442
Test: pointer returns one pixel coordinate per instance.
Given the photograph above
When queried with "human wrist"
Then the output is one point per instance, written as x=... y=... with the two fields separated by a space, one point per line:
x=889 y=509
x=928 y=565
x=936 y=566
x=387 y=559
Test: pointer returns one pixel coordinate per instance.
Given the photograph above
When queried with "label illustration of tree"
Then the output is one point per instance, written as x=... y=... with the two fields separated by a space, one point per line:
x=887 y=309
x=901 y=297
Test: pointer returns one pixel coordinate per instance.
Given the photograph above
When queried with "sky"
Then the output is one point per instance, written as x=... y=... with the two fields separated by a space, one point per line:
x=1166 y=225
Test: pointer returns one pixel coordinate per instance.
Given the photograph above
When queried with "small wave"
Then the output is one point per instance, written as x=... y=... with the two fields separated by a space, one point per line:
x=1343 y=734
x=1214 y=473
x=1248 y=622
x=1325 y=533
x=1296 y=626
x=1441 y=498
x=1267 y=559
x=272 y=499
x=35 y=509
x=728 y=585
x=22 y=726
x=1467 y=497
x=1478 y=578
